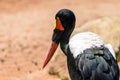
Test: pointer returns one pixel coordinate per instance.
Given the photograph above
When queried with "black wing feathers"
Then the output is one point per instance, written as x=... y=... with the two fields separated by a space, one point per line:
x=97 y=64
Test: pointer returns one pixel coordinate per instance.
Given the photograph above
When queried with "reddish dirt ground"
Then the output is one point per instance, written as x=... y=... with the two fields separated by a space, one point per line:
x=25 y=35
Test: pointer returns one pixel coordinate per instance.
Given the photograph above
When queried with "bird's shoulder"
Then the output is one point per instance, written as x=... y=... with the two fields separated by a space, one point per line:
x=82 y=41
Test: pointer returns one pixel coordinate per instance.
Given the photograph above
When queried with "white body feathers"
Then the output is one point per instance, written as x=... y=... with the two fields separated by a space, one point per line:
x=82 y=41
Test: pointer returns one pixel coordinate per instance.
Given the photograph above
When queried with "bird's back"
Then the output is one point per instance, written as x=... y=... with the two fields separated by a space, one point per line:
x=92 y=58
x=82 y=41
x=97 y=64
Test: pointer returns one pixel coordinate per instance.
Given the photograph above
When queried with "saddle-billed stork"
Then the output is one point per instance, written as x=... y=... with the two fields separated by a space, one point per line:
x=88 y=57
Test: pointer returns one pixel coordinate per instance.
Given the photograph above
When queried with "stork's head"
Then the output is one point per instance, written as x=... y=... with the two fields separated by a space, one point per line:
x=65 y=23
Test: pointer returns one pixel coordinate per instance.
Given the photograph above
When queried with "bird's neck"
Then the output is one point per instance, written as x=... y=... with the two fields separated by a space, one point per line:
x=65 y=40
x=64 y=47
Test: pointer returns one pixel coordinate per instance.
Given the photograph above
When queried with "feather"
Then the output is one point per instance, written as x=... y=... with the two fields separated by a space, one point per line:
x=97 y=64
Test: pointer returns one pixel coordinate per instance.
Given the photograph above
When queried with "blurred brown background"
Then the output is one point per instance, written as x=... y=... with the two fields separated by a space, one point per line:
x=26 y=29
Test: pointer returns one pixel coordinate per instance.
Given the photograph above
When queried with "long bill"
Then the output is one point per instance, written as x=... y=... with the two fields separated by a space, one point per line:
x=51 y=52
